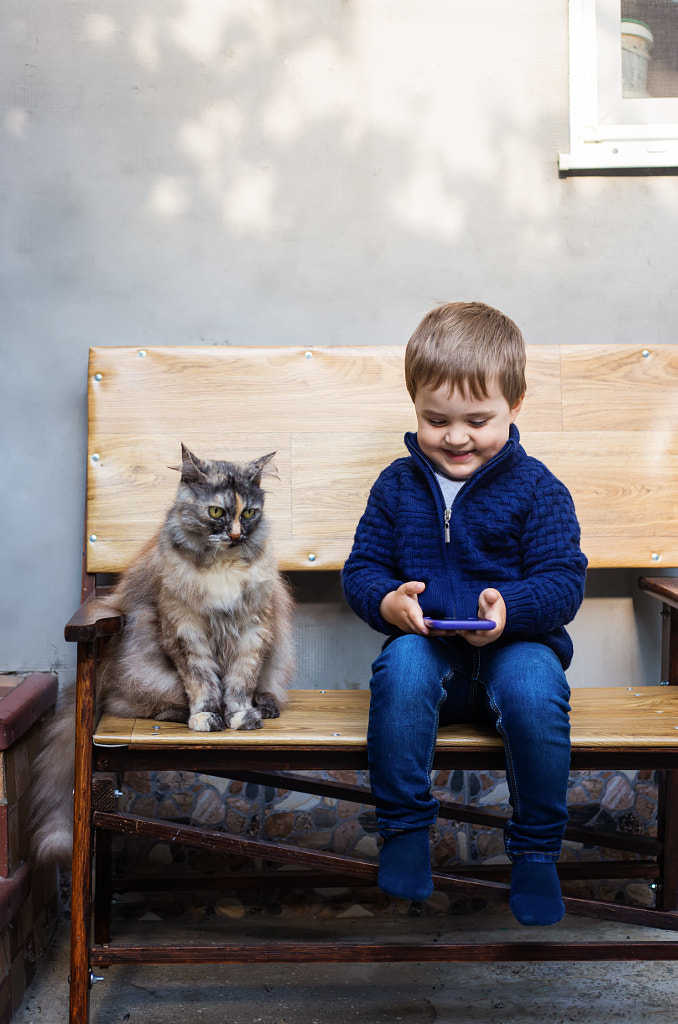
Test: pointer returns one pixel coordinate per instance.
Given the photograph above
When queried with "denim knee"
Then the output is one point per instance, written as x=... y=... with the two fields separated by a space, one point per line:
x=528 y=688
x=410 y=667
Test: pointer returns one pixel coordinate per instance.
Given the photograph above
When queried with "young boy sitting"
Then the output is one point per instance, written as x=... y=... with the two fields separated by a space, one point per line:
x=469 y=526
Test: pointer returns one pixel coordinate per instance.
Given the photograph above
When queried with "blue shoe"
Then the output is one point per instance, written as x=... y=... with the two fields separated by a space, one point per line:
x=405 y=865
x=535 y=893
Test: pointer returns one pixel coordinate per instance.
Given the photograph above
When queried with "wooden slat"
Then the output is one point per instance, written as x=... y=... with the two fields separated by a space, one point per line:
x=602 y=717
x=285 y=951
x=616 y=387
x=236 y=389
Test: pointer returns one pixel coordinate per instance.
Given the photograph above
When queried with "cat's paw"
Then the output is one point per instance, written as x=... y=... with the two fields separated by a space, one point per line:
x=206 y=721
x=248 y=719
x=267 y=706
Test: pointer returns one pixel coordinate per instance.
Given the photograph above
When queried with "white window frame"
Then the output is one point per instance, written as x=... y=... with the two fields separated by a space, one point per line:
x=606 y=130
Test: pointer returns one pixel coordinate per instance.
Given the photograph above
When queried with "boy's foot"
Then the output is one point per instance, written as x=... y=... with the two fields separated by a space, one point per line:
x=405 y=865
x=535 y=893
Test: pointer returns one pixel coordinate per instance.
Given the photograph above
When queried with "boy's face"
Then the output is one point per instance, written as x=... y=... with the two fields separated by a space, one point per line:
x=458 y=433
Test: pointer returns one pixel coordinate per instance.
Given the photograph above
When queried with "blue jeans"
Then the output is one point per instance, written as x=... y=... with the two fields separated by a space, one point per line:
x=518 y=688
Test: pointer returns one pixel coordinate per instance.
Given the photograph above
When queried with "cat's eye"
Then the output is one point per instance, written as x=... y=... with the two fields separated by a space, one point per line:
x=249 y=513
x=215 y=512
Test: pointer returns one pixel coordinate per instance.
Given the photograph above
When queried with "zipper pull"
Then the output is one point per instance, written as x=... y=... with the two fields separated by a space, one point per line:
x=448 y=516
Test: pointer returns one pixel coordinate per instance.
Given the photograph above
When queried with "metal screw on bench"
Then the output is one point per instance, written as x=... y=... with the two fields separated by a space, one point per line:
x=98 y=376
x=142 y=353
x=655 y=556
x=646 y=353
x=92 y=538
x=308 y=355
x=311 y=557
x=96 y=457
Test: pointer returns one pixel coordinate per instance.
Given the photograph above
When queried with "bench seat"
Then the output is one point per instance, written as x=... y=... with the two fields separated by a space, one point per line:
x=630 y=721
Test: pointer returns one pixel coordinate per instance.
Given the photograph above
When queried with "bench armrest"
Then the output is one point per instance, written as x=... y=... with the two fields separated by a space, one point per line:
x=94 y=618
x=664 y=588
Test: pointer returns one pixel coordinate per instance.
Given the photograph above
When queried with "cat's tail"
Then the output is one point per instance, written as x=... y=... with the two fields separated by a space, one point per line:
x=51 y=794
x=280 y=663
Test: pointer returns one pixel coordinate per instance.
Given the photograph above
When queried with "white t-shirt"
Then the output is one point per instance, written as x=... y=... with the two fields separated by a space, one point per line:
x=450 y=488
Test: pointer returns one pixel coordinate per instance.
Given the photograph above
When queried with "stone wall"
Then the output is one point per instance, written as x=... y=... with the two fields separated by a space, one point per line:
x=617 y=802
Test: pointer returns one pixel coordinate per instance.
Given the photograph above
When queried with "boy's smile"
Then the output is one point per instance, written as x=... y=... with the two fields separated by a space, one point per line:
x=459 y=433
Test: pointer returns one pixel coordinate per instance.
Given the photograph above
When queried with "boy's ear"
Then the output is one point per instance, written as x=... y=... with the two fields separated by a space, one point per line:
x=516 y=409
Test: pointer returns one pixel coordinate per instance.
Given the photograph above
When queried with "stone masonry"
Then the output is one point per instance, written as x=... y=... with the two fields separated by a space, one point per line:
x=617 y=802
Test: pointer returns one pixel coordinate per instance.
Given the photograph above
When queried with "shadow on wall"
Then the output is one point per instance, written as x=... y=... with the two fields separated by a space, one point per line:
x=341 y=165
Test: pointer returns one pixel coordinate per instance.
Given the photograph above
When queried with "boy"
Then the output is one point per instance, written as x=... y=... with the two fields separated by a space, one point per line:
x=469 y=526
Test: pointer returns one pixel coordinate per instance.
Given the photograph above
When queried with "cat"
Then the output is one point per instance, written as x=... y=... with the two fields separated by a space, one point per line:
x=207 y=638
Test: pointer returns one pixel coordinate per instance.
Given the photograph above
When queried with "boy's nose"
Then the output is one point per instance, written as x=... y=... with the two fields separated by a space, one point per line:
x=456 y=436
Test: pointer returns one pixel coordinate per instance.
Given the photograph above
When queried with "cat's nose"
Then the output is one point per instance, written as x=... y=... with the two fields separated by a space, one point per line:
x=234 y=533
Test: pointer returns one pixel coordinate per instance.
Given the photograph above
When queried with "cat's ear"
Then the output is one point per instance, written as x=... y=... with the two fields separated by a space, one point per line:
x=257 y=467
x=192 y=469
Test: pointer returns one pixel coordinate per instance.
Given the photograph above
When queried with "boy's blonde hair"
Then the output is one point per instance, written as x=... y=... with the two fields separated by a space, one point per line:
x=466 y=346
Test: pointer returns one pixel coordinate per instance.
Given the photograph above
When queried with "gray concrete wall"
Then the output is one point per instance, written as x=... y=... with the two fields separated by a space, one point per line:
x=289 y=171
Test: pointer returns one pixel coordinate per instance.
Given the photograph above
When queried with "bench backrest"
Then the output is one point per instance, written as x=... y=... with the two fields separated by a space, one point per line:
x=604 y=418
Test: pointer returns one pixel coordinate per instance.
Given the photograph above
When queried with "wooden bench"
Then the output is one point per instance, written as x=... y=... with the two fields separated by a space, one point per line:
x=604 y=418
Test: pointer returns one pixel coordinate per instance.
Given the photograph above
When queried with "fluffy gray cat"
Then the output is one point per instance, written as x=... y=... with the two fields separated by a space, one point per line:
x=207 y=636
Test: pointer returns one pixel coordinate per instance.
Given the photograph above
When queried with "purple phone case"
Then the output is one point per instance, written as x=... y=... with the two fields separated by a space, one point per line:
x=460 y=623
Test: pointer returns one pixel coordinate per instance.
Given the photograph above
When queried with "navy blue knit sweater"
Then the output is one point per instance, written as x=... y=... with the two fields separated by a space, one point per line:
x=513 y=527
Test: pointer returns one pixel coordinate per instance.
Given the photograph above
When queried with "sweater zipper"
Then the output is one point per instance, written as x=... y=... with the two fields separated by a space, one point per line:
x=448 y=516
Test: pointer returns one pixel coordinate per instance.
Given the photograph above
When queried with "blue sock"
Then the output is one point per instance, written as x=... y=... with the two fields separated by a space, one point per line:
x=535 y=893
x=405 y=865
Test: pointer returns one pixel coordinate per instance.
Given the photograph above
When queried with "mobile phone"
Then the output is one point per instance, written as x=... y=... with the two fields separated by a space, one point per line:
x=460 y=623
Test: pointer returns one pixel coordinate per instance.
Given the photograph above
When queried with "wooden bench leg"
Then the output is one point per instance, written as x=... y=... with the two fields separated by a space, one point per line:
x=103 y=888
x=667 y=827
x=81 y=883
x=670 y=644
x=103 y=799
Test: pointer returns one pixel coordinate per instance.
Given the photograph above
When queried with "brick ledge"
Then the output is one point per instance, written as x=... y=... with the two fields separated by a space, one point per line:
x=25 y=704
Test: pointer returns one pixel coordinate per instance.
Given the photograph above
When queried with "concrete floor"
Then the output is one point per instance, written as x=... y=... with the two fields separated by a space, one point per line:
x=455 y=993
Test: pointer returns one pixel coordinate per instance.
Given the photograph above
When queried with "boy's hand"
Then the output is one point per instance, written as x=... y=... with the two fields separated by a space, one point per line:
x=401 y=608
x=490 y=606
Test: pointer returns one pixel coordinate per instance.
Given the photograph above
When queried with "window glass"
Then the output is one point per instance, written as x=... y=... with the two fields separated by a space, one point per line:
x=649 y=41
